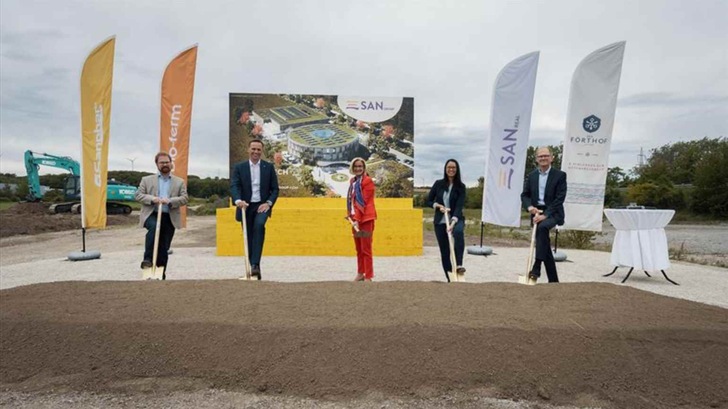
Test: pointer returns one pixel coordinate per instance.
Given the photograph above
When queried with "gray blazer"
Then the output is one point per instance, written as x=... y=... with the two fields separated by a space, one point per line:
x=148 y=190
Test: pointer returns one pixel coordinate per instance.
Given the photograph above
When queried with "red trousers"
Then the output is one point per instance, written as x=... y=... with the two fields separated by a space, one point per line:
x=364 y=263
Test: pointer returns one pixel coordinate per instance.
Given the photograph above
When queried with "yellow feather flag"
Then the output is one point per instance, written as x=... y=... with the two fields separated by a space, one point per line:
x=96 y=78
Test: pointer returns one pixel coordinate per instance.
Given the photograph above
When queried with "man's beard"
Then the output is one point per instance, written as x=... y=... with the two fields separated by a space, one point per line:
x=165 y=169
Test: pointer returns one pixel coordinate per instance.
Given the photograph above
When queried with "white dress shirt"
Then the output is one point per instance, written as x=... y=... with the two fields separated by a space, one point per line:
x=543 y=177
x=255 y=182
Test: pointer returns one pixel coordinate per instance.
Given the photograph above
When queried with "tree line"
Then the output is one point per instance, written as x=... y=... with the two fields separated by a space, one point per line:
x=689 y=176
x=196 y=186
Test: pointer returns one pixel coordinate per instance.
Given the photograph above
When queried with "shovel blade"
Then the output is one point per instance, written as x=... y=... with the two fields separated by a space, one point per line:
x=248 y=270
x=526 y=280
x=152 y=273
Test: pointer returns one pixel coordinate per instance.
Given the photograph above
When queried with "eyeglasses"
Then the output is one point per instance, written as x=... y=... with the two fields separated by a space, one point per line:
x=164 y=162
x=543 y=156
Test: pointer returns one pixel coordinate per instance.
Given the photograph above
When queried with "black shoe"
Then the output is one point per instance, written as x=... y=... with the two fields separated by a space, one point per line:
x=255 y=271
x=460 y=270
x=146 y=264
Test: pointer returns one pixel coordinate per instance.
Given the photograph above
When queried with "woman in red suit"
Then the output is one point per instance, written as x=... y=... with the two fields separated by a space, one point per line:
x=360 y=209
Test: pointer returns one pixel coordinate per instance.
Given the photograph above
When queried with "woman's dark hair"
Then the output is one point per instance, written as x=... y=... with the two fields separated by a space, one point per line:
x=457 y=181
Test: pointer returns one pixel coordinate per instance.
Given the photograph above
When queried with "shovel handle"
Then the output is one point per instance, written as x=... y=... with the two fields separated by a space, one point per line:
x=451 y=243
x=243 y=221
x=157 y=230
x=532 y=248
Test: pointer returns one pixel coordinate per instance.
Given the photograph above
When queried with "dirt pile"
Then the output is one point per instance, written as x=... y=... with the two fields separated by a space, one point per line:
x=586 y=344
x=33 y=218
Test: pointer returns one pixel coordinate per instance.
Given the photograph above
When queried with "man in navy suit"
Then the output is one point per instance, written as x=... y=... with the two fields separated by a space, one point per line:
x=254 y=190
x=543 y=197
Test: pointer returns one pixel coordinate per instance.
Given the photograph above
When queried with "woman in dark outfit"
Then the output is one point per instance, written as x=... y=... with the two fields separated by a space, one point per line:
x=448 y=193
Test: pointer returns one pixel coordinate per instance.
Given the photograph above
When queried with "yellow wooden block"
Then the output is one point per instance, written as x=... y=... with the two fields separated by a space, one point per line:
x=316 y=227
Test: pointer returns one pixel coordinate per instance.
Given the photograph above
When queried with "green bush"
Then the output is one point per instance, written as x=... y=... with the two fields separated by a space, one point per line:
x=210 y=206
x=53 y=196
x=660 y=195
x=576 y=239
x=8 y=195
x=710 y=195
x=613 y=197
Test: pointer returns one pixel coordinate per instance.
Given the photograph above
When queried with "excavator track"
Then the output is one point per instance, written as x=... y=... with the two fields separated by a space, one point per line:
x=75 y=207
x=117 y=208
x=61 y=207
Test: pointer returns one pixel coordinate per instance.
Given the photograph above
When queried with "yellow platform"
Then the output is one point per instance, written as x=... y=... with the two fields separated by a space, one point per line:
x=316 y=227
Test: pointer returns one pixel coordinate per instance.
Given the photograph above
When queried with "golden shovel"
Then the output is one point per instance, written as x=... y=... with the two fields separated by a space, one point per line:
x=527 y=279
x=451 y=243
x=154 y=272
x=245 y=247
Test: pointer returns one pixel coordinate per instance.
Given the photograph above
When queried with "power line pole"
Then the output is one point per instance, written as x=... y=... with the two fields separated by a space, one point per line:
x=642 y=157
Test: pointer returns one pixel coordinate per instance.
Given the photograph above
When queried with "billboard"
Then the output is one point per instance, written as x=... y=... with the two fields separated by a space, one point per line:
x=312 y=138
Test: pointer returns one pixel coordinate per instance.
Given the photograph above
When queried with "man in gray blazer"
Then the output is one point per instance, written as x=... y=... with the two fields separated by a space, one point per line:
x=171 y=192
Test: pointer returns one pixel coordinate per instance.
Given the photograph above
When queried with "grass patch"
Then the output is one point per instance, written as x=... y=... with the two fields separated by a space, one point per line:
x=473 y=229
x=685 y=217
x=209 y=206
x=571 y=239
x=7 y=205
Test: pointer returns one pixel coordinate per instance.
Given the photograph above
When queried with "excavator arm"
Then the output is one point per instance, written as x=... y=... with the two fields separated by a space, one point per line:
x=33 y=160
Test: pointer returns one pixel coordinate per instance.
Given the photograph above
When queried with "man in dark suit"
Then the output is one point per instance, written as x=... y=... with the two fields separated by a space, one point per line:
x=254 y=190
x=543 y=197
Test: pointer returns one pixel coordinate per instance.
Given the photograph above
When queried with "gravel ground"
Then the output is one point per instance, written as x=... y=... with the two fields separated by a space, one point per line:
x=696 y=238
x=26 y=260
x=42 y=258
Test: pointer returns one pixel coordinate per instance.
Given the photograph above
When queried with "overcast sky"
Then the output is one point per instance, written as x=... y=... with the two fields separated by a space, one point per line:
x=445 y=54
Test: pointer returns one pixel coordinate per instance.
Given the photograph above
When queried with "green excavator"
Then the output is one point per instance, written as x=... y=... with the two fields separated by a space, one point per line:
x=115 y=192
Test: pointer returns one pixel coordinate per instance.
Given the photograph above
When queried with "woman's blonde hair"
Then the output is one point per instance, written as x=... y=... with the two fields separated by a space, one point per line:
x=353 y=161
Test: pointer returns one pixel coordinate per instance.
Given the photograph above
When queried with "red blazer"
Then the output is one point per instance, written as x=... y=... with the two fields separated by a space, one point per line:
x=362 y=200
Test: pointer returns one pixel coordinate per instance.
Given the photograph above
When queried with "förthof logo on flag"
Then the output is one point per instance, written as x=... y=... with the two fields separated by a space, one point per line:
x=591 y=123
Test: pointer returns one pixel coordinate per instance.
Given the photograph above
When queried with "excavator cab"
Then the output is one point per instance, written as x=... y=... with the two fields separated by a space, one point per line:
x=72 y=188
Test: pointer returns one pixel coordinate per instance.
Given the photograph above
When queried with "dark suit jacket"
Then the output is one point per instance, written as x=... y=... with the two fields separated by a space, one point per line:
x=241 y=188
x=457 y=200
x=553 y=196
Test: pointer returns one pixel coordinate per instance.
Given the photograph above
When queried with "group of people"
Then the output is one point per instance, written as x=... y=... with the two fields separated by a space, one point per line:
x=254 y=190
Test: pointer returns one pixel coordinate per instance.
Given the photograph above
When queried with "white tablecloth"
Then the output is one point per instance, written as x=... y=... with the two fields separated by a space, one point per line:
x=640 y=240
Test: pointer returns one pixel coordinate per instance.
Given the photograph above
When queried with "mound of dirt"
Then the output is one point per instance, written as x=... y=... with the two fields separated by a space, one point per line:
x=33 y=218
x=586 y=344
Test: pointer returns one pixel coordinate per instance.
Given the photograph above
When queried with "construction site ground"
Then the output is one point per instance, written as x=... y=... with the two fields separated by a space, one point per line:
x=92 y=334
